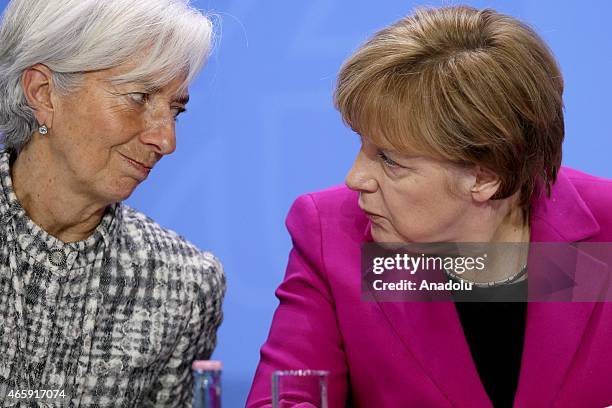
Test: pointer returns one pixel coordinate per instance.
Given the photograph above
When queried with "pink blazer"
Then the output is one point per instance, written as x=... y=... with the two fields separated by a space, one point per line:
x=415 y=354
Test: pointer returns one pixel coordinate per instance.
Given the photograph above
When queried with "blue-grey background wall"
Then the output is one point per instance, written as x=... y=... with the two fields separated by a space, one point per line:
x=261 y=130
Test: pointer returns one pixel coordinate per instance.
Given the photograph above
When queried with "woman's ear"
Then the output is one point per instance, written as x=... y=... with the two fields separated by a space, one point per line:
x=37 y=85
x=486 y=183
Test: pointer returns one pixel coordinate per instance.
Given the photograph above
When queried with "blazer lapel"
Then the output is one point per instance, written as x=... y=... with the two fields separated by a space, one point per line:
x=433 y=334
x=554 y=329
x=552 y=336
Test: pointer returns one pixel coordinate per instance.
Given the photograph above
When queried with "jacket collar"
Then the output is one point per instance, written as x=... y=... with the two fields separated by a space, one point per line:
x=547 y=355
x=562 y=217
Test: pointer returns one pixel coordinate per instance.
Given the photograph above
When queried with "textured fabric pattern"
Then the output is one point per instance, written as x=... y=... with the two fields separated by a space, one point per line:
x=114 y=320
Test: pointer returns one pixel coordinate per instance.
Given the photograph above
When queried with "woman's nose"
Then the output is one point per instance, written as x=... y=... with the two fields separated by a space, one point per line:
x=359 y=177
x=161 y=135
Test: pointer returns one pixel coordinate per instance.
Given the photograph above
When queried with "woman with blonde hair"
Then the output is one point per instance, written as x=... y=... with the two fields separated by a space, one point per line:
x=460 y=116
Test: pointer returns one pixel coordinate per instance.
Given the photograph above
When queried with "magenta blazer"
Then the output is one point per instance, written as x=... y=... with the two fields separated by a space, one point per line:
x=415 y=354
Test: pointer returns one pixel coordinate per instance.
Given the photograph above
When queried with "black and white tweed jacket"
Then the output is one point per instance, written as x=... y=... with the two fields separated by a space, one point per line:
x=111 y=321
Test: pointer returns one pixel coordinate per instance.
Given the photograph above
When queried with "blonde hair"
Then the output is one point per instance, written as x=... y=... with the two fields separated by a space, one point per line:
x=469 y=86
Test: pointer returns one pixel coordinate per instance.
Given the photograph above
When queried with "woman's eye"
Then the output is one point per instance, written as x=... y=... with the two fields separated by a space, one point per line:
x=176 y=111
x=139 y=97
x=386 y=160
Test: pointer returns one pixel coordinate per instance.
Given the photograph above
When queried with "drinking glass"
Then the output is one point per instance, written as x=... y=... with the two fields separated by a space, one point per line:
x=293 y=387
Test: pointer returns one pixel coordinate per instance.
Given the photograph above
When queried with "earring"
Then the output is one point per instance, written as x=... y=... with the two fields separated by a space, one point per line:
x=43 y=129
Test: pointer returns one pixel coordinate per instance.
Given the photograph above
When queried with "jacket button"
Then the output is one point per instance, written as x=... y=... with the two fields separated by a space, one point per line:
x=57 y=257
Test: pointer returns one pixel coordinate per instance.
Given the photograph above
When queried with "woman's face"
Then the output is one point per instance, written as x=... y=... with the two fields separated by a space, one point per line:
x=411 y=198
x=108 y=137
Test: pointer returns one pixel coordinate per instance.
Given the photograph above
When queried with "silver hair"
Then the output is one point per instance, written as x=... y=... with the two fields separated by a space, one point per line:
x=71 y=37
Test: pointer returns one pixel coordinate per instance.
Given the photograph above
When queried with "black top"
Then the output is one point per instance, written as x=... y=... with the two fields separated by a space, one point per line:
x=495 y=332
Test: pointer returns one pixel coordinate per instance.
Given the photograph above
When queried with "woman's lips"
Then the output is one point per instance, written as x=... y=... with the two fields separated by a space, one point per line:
x=372 y=216
x=135 y=164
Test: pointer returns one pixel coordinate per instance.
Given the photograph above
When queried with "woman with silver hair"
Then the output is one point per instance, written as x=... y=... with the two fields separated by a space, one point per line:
x=97 y=302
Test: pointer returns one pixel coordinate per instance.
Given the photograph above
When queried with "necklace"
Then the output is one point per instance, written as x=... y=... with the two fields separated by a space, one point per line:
x=508 y=280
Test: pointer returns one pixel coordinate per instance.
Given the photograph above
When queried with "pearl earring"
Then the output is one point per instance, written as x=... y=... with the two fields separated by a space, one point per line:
x=43 y=130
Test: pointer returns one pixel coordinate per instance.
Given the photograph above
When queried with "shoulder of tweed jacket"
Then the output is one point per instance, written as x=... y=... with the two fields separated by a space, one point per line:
x=175 y=262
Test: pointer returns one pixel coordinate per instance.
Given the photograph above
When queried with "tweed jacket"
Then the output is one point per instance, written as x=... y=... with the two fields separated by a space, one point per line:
x=111 y=321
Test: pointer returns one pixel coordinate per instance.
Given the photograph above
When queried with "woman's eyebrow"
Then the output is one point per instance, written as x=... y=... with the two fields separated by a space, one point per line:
x=150 y=88
x=182 y=99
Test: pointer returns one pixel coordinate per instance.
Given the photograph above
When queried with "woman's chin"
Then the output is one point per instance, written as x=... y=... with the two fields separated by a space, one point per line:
x=121 y=191
x=383 y=235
